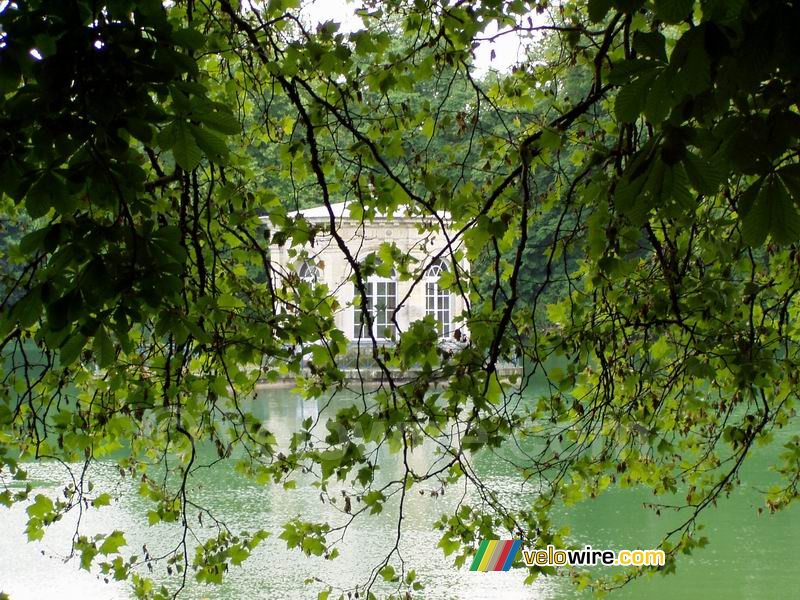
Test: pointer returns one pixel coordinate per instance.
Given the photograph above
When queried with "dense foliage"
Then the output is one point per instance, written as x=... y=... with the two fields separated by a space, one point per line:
x=629 y=191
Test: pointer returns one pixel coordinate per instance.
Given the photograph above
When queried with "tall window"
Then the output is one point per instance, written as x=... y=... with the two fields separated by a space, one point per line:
x=381 y=303
x=309 y=273
x=437 y=300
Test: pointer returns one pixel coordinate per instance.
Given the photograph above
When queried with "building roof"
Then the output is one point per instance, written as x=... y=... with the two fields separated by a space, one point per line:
x=341 y=211
x=321 y=212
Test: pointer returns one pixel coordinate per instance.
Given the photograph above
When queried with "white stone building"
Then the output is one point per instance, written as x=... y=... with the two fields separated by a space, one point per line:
x=394 y=302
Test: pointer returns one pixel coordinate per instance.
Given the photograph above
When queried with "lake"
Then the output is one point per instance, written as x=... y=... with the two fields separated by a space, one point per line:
x=750 y=555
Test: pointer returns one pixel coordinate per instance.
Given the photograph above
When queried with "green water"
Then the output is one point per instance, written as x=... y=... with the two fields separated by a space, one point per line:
x=749 y=555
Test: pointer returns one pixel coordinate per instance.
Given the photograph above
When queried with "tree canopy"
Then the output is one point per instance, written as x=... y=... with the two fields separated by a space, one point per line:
x=630 y=191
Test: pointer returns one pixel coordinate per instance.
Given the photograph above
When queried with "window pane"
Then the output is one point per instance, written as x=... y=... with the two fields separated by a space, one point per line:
x=391 y=299
x=437 y=304
x=381 y=304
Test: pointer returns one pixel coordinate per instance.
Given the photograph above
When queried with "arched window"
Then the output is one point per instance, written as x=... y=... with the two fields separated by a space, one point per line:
x=437 y=300
x=309 y=273
x=381 y=303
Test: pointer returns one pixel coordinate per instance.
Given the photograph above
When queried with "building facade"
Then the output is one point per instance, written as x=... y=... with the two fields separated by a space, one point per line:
x=393 y=302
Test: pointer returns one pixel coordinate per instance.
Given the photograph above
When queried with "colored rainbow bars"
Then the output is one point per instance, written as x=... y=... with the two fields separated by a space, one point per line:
x=495 y=555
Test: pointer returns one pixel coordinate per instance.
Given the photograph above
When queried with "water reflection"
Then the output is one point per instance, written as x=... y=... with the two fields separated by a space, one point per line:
x=749 y=557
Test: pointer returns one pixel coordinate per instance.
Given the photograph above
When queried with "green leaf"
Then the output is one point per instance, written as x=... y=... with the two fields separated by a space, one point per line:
x=785 y=226
x=598 y=9
x=112 y=543
x=88 y=552
x=790 y=176
x=651 y=44
x=28 y=308
x=103 y=348
x=48 y=192
x=673 y=11
x=705 y=175
x=375 y=500
x=45 y=44
x=41 y=507
x=680 y=188
x=748 y=198
x=34 y=530
x=140 y=129
x=659 y=181
x=631 y=98
x=183 y=63
x=238 y=554
x=494 y=390
x=772 y=213
x=629 y=198
x=659 y=98
x=626 y=70
x=33 y=242
x=221 y=120
x=214 y=147
x=693 y=62
x=189 y=38
x=9 y=77
x=102 y=500
x=185 y=149
x=71 y=348
x=448 y=545
x=428 y=127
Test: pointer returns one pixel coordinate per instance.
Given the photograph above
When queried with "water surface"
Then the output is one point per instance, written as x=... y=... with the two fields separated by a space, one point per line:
x=749 y=555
